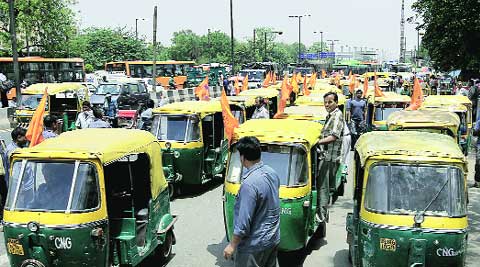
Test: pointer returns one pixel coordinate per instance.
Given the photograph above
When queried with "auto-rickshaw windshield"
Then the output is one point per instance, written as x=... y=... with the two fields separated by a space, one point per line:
x=383 y=111
x=31 y=102
x=113 y=89
x=53 y=186
x=407 y=189
x=176 y=128
x=289 y=162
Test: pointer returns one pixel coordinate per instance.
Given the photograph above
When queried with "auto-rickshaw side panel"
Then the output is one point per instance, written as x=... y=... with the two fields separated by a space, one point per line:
x=185 y=160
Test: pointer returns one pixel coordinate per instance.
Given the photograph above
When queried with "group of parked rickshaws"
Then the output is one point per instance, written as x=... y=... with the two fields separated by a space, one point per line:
x=101 y=196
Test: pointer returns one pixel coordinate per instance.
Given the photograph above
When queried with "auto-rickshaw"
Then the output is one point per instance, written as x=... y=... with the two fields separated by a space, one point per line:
x=409 y=201
x=64 y=100
x=87 y=199
x=291 y=148
x=433 y=121
x=460 y=105
x=271 y=97
x=193 y=142
x=304 y=112
x=317 y=100
x=383 y=106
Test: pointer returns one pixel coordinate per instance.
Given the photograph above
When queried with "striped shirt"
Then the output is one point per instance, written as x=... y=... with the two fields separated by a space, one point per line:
x=334 y=125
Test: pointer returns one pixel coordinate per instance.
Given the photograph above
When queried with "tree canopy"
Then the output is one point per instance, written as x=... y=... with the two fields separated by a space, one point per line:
x=452 y=33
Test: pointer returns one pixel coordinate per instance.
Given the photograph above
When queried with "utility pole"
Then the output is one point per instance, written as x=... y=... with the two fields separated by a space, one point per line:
x=402 y=33
x=265 y=42
x=13 y=37
x=154 y=71
x=209 y=49
x=231 y=37
x=299 y=32
x=254 y=36
x=136 y=27
x=332 y=47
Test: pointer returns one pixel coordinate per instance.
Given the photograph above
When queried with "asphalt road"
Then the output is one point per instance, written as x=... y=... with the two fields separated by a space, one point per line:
x=201 y=236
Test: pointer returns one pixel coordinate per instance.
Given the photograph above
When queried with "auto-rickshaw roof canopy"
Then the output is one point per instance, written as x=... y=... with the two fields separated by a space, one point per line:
x=313 y=113
x=393 y=97
x=52 y=88
x=317 y=99
x=445 y=100
x=263 y=92
x=106 y=145
x=450 y=107
x=440 y=118
x=405 y=145
x=202 y=108
x=297 y=131
x=246 y=100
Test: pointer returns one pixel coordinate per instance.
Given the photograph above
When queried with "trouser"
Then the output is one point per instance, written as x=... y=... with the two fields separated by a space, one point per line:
x=346 y=145
x=326 y=178
x=3 y=195
x=265 y=258
x=477 y=164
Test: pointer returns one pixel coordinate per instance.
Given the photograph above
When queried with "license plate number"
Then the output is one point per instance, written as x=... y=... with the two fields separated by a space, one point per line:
x=388 y=244
x=14 y=247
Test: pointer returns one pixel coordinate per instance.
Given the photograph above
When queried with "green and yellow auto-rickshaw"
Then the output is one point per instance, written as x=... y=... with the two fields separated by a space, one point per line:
x=271 y=97
x=433 y=121
x=64 y=100
x=304 y=112
x=291 y=148
x=317 y=100
x=460 y=105
x=94 y=197
x=409 y=201
x=383 y=106
x=193 y=142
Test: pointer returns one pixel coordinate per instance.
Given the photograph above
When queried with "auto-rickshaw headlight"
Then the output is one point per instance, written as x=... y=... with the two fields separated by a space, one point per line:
x=32 y=226
x=176 y=154
x=168 y=145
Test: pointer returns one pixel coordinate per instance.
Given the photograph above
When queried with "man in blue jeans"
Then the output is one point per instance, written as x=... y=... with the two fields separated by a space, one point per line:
x=476 y=132
x=256 y=219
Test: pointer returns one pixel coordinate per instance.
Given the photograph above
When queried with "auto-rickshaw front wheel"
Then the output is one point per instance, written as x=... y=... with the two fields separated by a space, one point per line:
x=164 y=251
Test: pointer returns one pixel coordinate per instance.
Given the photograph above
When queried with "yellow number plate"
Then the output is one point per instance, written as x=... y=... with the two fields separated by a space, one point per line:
x=14 y=247
x=388 y=244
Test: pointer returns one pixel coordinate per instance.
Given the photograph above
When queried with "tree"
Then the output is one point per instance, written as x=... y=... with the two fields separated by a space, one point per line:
x=100 y=45
x=215 y=47
x=186 y=45
x=43 y=27
x=452 y=33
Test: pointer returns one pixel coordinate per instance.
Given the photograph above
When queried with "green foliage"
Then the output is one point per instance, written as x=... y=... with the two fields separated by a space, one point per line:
x=43 y=26
x=452 y=32
x=186 y=45
x=89 y=68
x=100 y=45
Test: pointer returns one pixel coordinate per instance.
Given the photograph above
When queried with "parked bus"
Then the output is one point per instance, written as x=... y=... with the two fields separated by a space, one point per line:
x=144 y=69
x=44 y=70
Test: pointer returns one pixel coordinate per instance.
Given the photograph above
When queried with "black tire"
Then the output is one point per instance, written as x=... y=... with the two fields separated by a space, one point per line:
x=321 y=231
x=171 y=190
x=350 y=254
x=165 y=250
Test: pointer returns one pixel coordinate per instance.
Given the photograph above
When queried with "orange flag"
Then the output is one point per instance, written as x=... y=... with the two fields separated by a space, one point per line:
x=274 y=78
x=299 y=77
x=35 y=128
x=236 y=86
x=351 y=86
x=285 y=95
x=267 y=80
x=357 y=83
x=337 y=80
x=378 y=91
x=417 y=96
x=202 y=90
x=229 y=121
x=313 y=80
x=306 y=91
x=365 y=86
x=245 y=83
x=324 y=74
x=294 y=84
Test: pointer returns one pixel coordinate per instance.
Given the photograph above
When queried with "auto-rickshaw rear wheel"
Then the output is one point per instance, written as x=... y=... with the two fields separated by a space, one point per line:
x=321 y=231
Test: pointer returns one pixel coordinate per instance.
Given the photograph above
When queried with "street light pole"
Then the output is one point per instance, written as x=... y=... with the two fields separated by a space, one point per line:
x=332 y=47
x=231 y=36
x=321 y=39
x=299 y=32
x=136 y=27
x=265 y=43
x=209 y=49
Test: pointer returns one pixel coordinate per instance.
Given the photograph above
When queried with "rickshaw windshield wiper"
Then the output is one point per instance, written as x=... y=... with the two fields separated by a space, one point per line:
x=421 y=213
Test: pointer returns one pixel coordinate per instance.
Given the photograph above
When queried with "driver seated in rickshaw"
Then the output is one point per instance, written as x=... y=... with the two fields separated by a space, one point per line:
x=54 y=193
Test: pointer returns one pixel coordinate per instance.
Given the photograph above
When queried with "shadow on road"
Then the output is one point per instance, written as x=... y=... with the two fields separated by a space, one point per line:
x=198 y=190
x=217 y=251
x=297 y=258
x=341 y=258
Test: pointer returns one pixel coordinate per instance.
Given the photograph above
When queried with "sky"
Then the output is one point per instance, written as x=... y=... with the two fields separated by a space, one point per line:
x=355 y=23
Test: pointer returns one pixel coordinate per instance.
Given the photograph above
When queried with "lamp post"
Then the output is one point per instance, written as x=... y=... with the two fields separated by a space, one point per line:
x=299 y=31
x=209 y=49
x=321 y=39
x=265 y=42
x=332 y=47
x=136 y=27
x=13 y=37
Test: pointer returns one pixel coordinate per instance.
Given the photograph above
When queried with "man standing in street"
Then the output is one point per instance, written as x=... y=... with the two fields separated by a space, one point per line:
x=261 y=111
x=256 y=220
x=110 y=108
x=356 y=114
x=332 y=135
x=84 y=117
x=98 y=121
x=50 y=122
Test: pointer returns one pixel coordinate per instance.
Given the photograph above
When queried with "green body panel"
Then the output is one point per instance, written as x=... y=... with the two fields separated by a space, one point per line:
x=296 y=221
x=118 y=244
x=412 y=246
x=190 y=165
x=60 y=247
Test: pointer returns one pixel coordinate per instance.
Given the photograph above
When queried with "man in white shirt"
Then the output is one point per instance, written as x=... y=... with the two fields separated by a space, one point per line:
x=85 y=117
